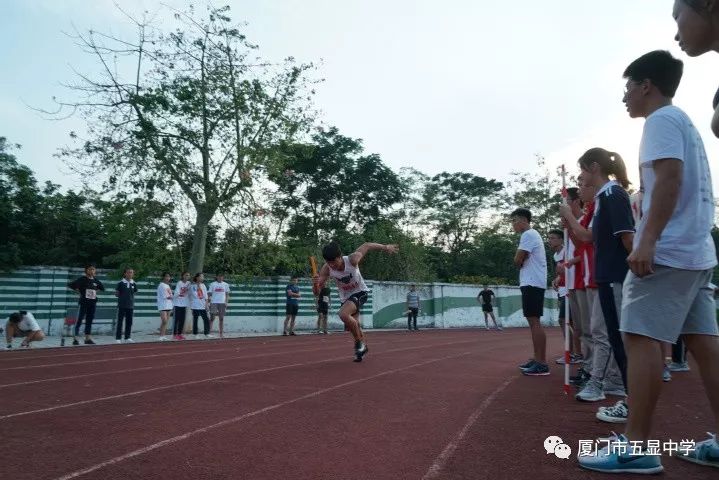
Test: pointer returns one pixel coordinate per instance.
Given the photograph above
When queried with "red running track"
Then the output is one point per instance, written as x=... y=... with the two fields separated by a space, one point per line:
x=423 y=405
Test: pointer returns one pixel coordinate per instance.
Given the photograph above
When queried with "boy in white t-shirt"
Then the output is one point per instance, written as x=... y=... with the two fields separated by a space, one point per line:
x=219 y=298
x=181 y=301
x=667 y=292
x=23 y=324
x=531 y=259
x=164 y=304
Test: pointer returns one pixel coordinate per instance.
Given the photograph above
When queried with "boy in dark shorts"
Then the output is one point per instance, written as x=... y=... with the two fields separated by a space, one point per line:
x=486 y=296
x=292 y=306
x=87 y=286
x=323 y=309
x=344 y=269
x=531 y=260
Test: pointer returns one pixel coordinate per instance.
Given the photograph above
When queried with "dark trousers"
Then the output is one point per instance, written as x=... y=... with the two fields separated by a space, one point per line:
x=206 y=321
x=87 y=313
x=124 y=314
x=679 y=351
x=178 y=325
x=611 y=317
x=412 y=318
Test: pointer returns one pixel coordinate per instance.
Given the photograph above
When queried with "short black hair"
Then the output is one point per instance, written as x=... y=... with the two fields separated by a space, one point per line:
x=522 y=212
x=660 y=68
x=331 y=251
x=15 y=317
x=573 y=193
x=557 y=232
x=89 y=265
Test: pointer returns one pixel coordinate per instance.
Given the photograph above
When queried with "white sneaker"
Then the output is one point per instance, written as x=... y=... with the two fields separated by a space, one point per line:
x=209 y=335
x=592 y=392
x=163 y=339
x=118 y=341
x=129 y=340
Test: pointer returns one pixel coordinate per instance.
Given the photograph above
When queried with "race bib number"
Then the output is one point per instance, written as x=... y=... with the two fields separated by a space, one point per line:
x=183 y=291
x=91 y=294
x=200 y=293
x=326 y=299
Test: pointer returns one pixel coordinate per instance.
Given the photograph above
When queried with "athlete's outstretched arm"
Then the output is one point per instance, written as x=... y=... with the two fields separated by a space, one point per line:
x=319 y=281
x=366 y=247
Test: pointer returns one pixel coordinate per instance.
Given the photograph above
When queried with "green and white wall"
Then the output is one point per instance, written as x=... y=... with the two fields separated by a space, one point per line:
x=444 y=305
x=256 y=305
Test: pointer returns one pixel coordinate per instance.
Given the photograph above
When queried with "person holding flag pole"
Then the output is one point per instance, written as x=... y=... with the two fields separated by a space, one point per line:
x=567 y=360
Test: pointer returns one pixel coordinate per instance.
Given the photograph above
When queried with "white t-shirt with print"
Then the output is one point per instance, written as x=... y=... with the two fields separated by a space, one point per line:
x=182 y=294
x=164 y=297
x=219 y=291
x=198 y=296
x=28 y=323
x=686 y=240
x=534 y=270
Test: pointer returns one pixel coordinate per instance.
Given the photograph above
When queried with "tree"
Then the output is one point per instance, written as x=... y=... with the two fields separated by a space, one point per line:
x=329 y=186
x=454 y=204
x=191 y=112
x=540 y=192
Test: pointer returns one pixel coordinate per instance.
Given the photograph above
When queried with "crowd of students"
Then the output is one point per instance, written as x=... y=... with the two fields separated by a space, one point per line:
x=637 y=279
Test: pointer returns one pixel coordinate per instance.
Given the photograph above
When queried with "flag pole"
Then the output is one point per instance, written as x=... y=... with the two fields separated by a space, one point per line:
x=567 y=357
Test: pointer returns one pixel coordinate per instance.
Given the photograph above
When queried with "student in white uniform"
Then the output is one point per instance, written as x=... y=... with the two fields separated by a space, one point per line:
x=164 y=304
x=23 y=324
x=219 y=298
x=344 y=269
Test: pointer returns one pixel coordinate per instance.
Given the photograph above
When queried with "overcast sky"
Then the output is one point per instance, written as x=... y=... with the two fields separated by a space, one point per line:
x=437 y=85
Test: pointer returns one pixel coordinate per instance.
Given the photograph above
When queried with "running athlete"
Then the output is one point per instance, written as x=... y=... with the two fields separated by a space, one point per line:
x=344 y=269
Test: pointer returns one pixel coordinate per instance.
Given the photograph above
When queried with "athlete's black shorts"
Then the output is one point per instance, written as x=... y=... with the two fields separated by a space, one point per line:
x=323 y=308
x=532 y=301
x=292 y=309
x=359 y=299
x=487 y=307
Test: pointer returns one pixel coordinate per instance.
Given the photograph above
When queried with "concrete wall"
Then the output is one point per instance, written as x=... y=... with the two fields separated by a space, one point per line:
x=256 y=305
x=444 y=305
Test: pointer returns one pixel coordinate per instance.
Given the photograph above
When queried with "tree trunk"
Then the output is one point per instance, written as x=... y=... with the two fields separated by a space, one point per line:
x=199 y=245
x=199 y=239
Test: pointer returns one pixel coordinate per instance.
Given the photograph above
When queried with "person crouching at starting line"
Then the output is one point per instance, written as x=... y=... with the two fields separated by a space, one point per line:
x=23 y=324
x=344 y=269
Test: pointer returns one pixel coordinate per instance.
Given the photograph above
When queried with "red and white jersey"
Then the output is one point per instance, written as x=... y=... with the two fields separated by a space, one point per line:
x=349 y=281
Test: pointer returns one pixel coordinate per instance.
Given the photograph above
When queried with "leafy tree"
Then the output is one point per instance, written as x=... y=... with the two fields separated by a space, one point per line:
x=328 y=186
x=454 y=204
x=188 y=111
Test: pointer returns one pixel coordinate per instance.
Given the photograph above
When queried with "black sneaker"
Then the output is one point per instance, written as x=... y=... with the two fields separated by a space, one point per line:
x=292 y=334
x=360 y=351
x=527 y=365
x=581 y=378
x=76 y=342
x=89 y=342
x=536 y=370
x=9 y=345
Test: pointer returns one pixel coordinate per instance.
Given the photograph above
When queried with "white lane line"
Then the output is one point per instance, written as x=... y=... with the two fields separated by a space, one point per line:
x=195 y=382
x=185 y=436
x=439 y=463
x=157 y=367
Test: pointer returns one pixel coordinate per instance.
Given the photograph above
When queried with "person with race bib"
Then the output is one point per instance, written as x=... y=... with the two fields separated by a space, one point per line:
x=87 y=287
x=344 y=270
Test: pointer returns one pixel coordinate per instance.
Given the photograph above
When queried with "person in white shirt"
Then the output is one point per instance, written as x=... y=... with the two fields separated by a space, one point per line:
x=164 y=303
x=219 y=299
x=531 y=259
x=667 y=292
x=199 y=302
x=181 y=301
x=22 y=324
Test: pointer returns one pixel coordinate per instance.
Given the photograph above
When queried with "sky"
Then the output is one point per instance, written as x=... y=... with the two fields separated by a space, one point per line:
x=453 y=85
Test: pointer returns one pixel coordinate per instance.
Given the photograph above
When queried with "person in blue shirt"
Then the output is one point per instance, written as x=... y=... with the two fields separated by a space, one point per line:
x=293 y=305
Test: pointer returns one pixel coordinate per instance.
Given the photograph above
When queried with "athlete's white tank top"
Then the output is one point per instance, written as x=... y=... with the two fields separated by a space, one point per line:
x=349 y=281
